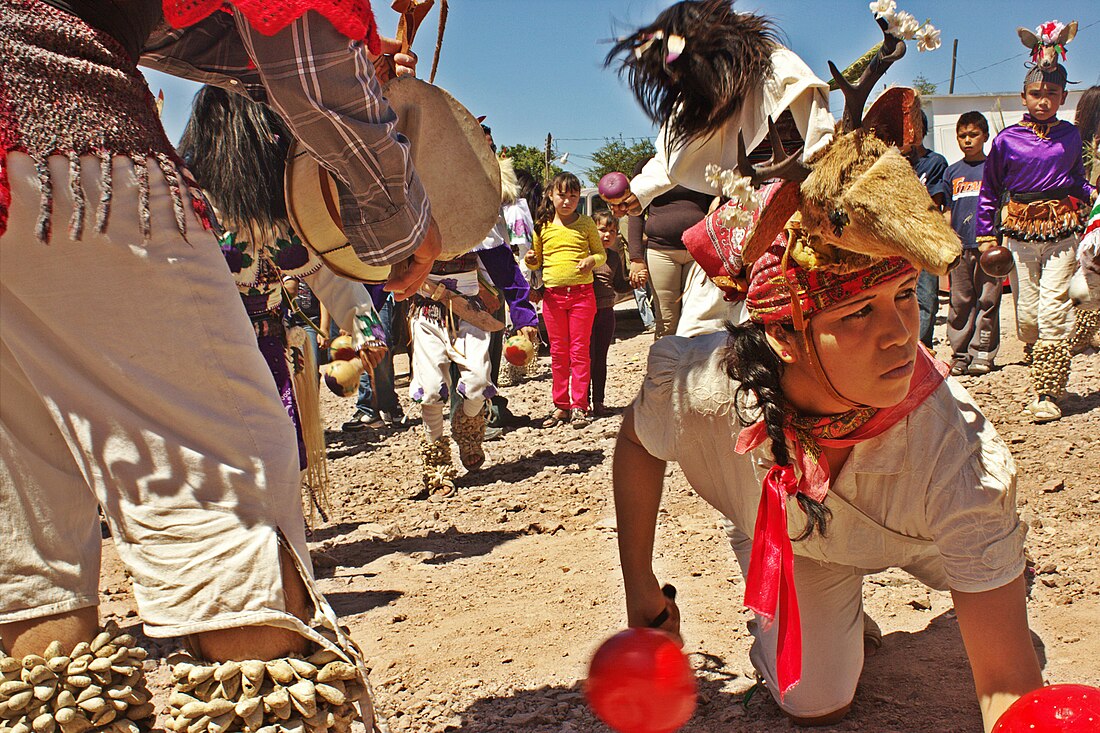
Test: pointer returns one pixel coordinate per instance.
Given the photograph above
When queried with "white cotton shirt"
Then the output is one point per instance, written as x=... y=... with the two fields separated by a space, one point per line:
x=934 y=494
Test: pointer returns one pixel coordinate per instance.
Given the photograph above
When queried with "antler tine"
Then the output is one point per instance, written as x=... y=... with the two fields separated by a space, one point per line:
x=744 y=167
x=781 y=165
x=775 y=140
x=855 y=96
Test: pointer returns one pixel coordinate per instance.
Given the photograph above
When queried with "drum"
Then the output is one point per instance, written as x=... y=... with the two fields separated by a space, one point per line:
x=452 y=158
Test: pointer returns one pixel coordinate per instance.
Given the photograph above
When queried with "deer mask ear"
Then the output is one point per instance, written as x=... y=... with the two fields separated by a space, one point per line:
x=1068 y=33
x=893 y=117
x=774 y=217
x=1027 y=38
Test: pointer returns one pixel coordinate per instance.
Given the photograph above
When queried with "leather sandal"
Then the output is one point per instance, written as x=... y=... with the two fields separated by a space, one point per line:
x=556 y=418
x=1044 y=410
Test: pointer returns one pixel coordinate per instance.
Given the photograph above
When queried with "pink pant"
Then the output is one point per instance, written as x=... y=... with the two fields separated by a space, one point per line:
x=568 y=311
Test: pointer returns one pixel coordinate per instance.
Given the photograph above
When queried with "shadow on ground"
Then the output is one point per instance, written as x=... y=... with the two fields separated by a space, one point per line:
x=575 y=461
x=435 y=548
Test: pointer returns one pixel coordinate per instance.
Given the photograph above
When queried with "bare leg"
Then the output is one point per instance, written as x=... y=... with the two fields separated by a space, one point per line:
x=31 y=637
x=246 y=642
x=262 y=642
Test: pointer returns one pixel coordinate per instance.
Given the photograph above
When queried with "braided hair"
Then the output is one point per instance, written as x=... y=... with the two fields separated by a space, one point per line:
x=750 y=362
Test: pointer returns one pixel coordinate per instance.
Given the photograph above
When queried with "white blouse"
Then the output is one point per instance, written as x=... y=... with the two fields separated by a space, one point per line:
x=792 y=85
x=934 y=494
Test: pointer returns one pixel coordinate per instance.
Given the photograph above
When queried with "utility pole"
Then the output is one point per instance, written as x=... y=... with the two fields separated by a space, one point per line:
x=549 y=154
x=954 y=55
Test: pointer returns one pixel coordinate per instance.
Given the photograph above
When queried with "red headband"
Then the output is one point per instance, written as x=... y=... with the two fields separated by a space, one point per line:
x=718 y=249
x=775 y=276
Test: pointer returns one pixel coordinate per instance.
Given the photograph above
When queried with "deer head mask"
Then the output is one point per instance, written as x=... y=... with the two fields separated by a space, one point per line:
x=858 y=199
x=1048 y=42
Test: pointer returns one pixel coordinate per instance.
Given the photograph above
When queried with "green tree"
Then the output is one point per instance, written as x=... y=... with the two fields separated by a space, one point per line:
x=615 y=155
x=923 y=86
x=531 y=159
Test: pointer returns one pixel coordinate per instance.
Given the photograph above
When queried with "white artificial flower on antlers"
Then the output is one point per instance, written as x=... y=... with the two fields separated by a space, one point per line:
x=740 y=192
x=903 y=25
x=884 y=8
x=928 y=38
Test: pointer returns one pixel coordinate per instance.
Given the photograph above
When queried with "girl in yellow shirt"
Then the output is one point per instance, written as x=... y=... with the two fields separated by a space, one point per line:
x=567 y=247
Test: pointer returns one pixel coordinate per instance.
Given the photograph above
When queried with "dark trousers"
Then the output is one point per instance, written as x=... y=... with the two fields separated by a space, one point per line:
x=386 y=397
x=973 y=320
x=603 y=333
x=928 y=301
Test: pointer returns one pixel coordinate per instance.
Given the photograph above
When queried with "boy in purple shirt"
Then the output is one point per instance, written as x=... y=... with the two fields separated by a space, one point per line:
x=973 y=319
x=1035 y=172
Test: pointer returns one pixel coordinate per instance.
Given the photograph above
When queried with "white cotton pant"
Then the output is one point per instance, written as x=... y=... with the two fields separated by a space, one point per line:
x=130 y=378
x=435 y=347
x=830 y=601
x=1040 y=288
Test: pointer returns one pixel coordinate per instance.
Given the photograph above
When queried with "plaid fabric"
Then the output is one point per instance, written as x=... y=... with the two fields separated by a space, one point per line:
x=324 y=87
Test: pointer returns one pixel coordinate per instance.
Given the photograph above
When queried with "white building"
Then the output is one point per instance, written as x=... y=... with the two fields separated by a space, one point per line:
x=1000 y=110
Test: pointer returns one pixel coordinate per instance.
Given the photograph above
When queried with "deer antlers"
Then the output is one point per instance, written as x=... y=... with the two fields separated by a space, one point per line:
x=855 y=97
x=781 y=165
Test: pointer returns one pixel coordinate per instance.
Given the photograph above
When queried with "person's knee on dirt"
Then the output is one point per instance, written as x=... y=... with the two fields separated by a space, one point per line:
x=824 y=378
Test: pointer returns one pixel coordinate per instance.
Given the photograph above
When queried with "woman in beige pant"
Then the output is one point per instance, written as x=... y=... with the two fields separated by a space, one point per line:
x=656 y=237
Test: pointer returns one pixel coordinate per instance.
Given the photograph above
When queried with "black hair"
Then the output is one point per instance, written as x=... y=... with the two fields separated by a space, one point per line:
x=530 y=190
x=973 y=118
x=564 y=181
x=489 y=131
x=750 y=362
x=924 y=124
x=726 y=55
x=236 y=149
x=604 y=217
x=1087 y=117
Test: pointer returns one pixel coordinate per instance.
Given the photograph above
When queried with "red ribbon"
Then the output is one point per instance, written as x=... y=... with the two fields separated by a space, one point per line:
x=769 y=585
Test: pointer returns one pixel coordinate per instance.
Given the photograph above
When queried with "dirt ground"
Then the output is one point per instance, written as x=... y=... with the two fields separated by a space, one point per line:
x=480 y=613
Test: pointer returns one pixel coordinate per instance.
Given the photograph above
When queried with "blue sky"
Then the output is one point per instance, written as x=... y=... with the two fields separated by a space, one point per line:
x=536 y=66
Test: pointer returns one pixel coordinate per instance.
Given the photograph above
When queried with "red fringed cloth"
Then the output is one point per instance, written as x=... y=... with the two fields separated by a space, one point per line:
x=353 y=18
x=769 y=585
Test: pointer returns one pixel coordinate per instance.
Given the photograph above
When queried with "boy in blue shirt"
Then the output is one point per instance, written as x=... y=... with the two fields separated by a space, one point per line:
x=930 y=168
x=973 y=319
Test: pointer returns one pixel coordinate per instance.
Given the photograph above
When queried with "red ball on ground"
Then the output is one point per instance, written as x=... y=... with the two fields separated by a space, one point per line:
x=997 y=261
x=613 y=186
x=1062 y=708
x=640 y=682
